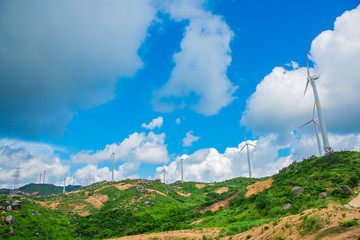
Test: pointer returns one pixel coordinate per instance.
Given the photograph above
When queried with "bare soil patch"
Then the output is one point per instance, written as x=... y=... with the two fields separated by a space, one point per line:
x=77 y=206
x=200 y=185
x=196 y=222
x=184 y=194
x=258 y=187
x=221 y=190
x=34 y=193
x=223 y=204
x=97 y=200
x=158 y=192
x=122 y=186
x=288 y=227
x=182 y=234
x=49 y=205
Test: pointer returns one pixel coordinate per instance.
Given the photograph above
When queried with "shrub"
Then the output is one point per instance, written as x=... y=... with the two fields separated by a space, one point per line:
x=349 y=223
x=312 y=223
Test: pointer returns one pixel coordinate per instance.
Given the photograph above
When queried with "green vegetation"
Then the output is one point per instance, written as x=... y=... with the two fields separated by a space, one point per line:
x=150 y=206
x=349 y=223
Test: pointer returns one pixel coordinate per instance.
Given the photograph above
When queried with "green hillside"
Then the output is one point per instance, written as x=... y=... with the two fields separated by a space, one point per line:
x=105 y=210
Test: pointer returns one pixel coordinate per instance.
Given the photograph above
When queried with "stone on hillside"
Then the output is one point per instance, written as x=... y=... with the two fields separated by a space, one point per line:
x=135 y=209
x=345 y=190
x=19 y=192
x=297 y=190
x=90 y=193
x=286 y=206
x=328 y=198
x=347 y=206
x=14 y=195
x=322 y=195
x=9 y=208
x=7 y=202
x=2 y=208
x=16 y=204
x=10 y=219
x=11 y=231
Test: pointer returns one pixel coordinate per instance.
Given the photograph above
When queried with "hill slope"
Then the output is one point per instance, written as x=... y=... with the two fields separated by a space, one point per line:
x=105 y=210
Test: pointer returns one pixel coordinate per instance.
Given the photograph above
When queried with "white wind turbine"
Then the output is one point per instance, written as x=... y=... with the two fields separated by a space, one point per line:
x=248 y=154
x=312 y=79
x=314 y=120
x=112 y=156
x=164 y=172
x=182 y=169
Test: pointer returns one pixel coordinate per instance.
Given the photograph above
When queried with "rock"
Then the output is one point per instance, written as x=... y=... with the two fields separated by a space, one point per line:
x=9 y=208
x=10 y=219
x=91 y=193
x=297 y=190
x=16 y=204
x=2 y=208
x=115 y=198
x=11 y=231
x=14 y=195
x=7 y=202
x=347 y=206
x=328 y=198
x=307 y=195
x=345 y=190
x=322 y=195
x=135 y=209
x=286 y=206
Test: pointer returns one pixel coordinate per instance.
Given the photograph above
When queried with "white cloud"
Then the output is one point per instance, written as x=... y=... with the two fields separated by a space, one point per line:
x=61 y=56
x=33 y=158
x=199 y=79
x=155 y=123
x=278 y=105
x=178 y=121
x=138 y=147
x=208 y=165
x=189 y=139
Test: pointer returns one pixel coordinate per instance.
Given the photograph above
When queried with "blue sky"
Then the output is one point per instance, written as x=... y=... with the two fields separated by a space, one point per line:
x=157 y=80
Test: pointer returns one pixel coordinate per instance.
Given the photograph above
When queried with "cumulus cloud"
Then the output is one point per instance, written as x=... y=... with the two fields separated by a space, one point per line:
x=59 y=57
x=199 y=79
x=208 y=165
x=138 y=147
x=155 y=123
x=33 y=158
x=178 y=121
x=189 y=139
x=278 y=106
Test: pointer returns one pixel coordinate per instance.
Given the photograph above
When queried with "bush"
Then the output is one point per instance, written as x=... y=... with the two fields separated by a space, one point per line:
x=312 y=223
x=349 y=223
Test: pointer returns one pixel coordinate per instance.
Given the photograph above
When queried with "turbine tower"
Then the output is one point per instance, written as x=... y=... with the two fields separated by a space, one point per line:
x=163 y=172
x=182 y=170
x=311 y=80
x=248 y=155
x=64 y=186
x=316 y=129
x=113 y=160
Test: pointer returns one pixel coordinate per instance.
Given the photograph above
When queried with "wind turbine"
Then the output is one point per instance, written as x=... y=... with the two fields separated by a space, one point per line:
x=113 y=159
x=311 y=80
x=316 y=130
x=182 y=169
x=248 y=155
x=163 y=171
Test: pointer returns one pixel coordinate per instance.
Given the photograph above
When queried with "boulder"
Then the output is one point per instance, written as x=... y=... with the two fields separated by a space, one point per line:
x=323 y=195
x=14 y=195
x=10 y=219
x=328 y=198
x=7 y=202
x=297 y=190
x=345 y=190
x=286 y=206
x=11 y=231
x=347 y=206
x=9 y=208
x=91 y=193
x=16 y=204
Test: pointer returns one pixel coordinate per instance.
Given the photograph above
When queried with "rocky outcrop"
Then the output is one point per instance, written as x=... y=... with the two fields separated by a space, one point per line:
x=10 y=219
x=323 y=195
x=9 y=208
x=297 y=190
x=286 y=206
x=16 y=205
x=345 y=190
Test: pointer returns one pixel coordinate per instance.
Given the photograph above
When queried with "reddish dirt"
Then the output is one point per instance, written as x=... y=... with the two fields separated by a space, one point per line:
x=182 y=234
x=196 y=222
x=223 y=204
x=184 y=194
x=200 y=185
x=288 y=227
x=158 y=192
x=49 y=205
x=258 y=187
x=77 y=206
x=221 y=190
x=97 y=200
x=34 y=193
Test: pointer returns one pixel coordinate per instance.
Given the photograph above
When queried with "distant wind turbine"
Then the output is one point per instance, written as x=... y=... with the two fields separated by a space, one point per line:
x=113 y=160
x=164 y=172
x=248 y=154
x=182 y=169
x=314 y=120
x=311 y=80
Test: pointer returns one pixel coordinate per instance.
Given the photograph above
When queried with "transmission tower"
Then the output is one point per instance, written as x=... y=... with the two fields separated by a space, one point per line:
x=16 y=181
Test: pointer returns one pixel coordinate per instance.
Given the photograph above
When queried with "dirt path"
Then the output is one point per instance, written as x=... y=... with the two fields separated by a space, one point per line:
x=182 y=234
x=258 y=187
x=224 y=204
x=355 y=202
x=97 y=200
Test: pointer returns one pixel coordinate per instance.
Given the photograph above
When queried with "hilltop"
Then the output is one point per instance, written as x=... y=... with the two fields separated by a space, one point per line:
x=291 y=200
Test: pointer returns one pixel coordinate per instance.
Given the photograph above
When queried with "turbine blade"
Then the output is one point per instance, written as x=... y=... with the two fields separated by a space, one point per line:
x=251 y=144
x=242 y=148
x=307 y=65
x=307 y=84
x=305 y=124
